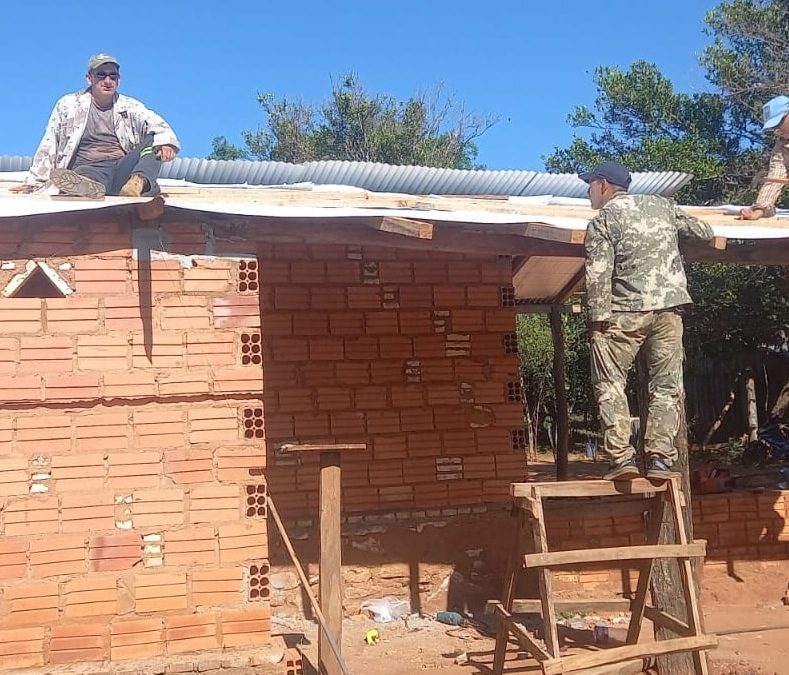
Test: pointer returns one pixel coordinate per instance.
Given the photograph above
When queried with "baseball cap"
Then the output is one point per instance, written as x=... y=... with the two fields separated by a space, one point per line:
x=613 y=172
x=98 y=59
x=774 y=111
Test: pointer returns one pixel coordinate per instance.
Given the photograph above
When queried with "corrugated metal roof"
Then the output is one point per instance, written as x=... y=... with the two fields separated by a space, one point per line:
x=413 y=180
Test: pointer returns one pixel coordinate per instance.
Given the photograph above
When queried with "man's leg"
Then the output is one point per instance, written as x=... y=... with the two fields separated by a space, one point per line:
x=663 y=352
x=86 y=180
x=142 y=161
x=613 y=353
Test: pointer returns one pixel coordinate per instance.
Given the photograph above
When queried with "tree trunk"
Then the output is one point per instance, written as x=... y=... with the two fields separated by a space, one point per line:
x=562 y=413
x=667 y=592
x=749 y=400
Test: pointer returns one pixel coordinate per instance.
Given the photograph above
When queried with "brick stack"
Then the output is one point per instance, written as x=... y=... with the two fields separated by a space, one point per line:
x=129 y=485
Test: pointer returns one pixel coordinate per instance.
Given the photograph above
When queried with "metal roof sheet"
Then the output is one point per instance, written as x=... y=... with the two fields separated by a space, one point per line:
x=415 y=180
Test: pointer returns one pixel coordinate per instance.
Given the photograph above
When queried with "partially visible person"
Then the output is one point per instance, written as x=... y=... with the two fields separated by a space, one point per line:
x=636 y=289
x=99 y=142
x=776 y=119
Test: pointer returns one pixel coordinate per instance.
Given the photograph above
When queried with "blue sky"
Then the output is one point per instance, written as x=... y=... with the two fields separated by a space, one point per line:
x=200 y=64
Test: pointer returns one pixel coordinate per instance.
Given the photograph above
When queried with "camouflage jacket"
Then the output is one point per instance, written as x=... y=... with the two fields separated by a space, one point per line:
x=779 y=161
x=633 y=263
x=67 y=124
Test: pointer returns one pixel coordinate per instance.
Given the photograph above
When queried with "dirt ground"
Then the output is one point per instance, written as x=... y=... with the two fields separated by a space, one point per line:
x=742 y=604
x=746 y=611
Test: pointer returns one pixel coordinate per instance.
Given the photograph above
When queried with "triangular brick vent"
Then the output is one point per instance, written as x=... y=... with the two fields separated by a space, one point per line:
x=38 y=280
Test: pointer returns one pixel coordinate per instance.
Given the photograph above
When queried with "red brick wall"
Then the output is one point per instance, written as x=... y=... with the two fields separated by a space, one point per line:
x=410 y=353
x=135 y=446
x=125 y=479
x=737 y=526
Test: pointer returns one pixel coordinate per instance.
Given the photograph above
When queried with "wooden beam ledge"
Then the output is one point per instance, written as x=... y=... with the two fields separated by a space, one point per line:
x=408 y=227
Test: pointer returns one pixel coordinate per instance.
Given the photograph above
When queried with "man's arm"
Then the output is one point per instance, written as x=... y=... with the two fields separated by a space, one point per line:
x=164 y=138
x=44 y=158
x=599 y=269
x=769 y=192
x=691 y=228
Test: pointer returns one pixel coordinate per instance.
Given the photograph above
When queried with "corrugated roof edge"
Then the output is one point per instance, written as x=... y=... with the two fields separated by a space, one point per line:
x=389 y=178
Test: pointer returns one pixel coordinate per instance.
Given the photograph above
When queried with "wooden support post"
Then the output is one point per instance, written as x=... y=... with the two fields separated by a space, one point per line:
x=330 y=591
x=330 y=557
x=562 y=413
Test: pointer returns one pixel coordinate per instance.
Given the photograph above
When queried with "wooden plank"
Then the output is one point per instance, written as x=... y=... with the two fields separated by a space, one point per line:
x=718 y=243
x=521 y=634
x=584 y=662
x=407 y=227
x=617 y=553
x=695 y=618
x=308 y=447
x=508 y=593
x=588 y=488
x=330 y=566
x=643 y=586
x=534 y=605
x=665 y=620
x=540 y=540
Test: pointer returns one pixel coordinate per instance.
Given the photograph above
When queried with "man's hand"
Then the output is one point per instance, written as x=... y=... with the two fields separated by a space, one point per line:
x=750 y=213
x=166 y=152
x=600 y=327
x=22 y=189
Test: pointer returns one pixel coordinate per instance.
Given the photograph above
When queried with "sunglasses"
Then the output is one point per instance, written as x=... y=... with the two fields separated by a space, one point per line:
x=101 y=75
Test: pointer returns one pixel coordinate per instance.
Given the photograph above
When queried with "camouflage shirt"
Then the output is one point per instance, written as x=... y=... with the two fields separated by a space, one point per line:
x=633 y=263
x=131 y=119
x=779 y=161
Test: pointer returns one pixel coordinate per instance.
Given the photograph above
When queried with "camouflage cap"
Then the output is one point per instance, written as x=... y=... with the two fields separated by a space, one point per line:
x=99 y=59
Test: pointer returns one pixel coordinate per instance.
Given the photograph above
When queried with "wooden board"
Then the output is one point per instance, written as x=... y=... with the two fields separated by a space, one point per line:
x=588 y=488
x=617 y=553
x=583 y=662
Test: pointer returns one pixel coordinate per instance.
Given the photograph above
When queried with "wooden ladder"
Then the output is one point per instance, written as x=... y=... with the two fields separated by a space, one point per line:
x=530 y=551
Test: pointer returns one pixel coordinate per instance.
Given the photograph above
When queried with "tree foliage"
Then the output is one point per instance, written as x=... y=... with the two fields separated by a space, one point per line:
x=353 y=124
x=640 y=119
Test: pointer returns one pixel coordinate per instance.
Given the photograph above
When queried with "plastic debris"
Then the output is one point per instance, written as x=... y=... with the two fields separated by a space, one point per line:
x=450 y=618
x=384 y=610
x=372 y=636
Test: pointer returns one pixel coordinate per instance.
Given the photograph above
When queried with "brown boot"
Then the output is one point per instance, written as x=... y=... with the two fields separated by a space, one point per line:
x=71 y=183
x=135 y=186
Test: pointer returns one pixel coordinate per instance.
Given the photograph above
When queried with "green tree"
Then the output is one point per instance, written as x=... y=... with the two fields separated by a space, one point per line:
x=639 y=118
x=353 y=124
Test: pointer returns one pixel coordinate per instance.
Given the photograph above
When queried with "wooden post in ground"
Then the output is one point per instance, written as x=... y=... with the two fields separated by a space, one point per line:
x=562 y=412
x=330 y=556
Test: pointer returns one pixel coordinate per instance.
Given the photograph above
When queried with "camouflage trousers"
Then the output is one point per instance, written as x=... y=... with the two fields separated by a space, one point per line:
x=659 y=334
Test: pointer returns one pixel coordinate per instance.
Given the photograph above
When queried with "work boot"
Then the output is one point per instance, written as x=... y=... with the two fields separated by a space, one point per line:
x=657 y=468
x=135 y=186
x=624 y=470
x=76 y=185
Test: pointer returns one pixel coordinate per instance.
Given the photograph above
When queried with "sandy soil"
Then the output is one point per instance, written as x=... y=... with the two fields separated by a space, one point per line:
x=746 y=612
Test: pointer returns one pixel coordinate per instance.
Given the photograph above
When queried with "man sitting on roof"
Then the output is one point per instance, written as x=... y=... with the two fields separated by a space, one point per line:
x=635 y=288
x=776 y=117
x=99 y=142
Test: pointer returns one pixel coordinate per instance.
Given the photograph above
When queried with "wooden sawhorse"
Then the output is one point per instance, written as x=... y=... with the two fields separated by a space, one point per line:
x=530 y=551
